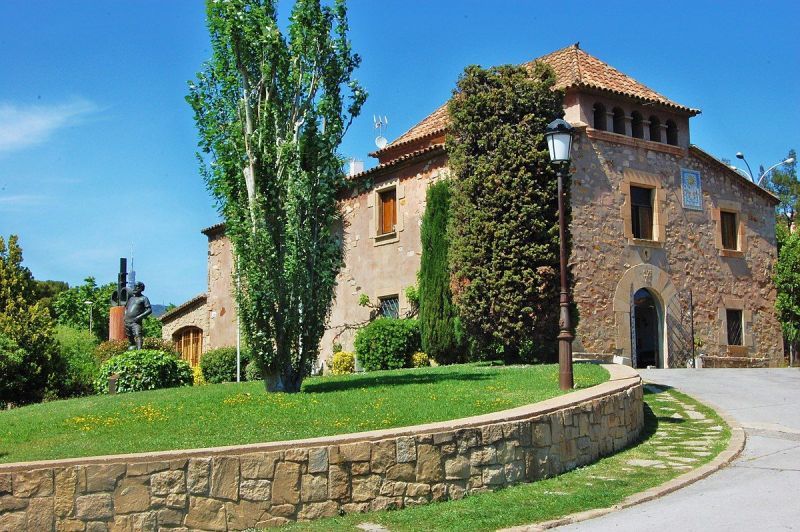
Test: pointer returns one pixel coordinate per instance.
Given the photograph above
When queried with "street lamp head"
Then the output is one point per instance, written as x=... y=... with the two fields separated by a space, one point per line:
x=559 y=140
x=87 y=302
x=790 y=160
x=739 y=155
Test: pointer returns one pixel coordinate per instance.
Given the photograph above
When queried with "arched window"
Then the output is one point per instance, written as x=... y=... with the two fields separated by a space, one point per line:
x=189 y=343
x=672 y=133
x=599 y=116
x=619 y=121
x=655 y=129
x=637 y=126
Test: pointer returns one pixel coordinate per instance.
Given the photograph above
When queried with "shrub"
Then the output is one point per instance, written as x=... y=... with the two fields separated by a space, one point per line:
x=111 y=348
x=387 y=343
x=13 y=367
x=197 y=376
x=420 y=360
x=76 y=367
x=144 y=370
x=342 y=363
x=219 y=365
x=252 y=373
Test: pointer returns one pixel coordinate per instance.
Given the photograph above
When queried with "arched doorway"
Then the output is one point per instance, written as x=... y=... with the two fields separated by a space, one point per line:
x=646 y=329
x=189 y=343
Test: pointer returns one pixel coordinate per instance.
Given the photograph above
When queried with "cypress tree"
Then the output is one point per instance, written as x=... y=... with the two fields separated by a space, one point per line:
x=437 y=315
x=504 y=217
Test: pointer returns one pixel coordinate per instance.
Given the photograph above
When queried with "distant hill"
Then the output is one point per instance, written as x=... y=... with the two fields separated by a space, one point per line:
x=158 y=310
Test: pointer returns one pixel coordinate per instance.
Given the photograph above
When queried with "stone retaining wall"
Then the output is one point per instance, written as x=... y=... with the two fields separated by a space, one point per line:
x=233 y=488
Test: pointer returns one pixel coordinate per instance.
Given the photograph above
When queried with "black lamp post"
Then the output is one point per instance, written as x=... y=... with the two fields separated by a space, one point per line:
x=559 y=142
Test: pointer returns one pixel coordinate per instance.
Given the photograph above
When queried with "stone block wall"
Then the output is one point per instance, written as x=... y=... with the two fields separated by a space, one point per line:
x=268 y=485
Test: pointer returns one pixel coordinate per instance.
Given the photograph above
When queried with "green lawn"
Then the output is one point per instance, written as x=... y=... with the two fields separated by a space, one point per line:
x=673 y=442
x=230 y=414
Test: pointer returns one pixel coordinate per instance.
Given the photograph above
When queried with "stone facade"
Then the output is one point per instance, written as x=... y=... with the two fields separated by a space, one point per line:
x=193 y=313
x=692 y=280
x=268 y=485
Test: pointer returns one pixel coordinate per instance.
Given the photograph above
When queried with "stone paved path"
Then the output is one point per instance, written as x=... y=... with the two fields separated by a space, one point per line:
x=759 y=491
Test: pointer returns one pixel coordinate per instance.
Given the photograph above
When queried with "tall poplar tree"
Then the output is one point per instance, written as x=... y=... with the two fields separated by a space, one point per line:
x=272 y=108
x=504 y=210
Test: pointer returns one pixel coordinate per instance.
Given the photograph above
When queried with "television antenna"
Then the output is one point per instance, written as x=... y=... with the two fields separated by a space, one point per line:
x=380 y=124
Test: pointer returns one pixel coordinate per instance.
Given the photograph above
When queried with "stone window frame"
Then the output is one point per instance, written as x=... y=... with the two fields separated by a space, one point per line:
x=373 y=203
x=734 y=303
x=733 y=207
x=638 y=178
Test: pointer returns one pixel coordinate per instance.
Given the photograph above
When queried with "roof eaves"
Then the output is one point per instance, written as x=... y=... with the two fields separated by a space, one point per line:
x=391 y=147
x=183 y=306
x=208 y=231
x=435 y=148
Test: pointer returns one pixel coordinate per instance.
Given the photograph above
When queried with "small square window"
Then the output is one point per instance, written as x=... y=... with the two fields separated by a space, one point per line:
x=390 y=307
x=642 y=213
x=730 y=237
x=387 y=213
x=734 y=318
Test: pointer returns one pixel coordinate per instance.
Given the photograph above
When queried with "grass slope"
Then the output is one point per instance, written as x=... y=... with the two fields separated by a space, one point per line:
x=673 y=442
x=230 y=414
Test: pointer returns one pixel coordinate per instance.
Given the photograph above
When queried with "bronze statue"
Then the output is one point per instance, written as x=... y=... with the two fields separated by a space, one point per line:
x=137 y=308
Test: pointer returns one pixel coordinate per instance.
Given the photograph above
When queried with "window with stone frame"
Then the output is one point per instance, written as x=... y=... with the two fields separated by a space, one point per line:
x=387 y=211
x=642 y=212
x=729 y=228
x=735 y=326
x=389 y=306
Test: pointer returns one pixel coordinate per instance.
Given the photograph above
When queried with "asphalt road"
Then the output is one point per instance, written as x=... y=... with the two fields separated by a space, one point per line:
x=759 y=491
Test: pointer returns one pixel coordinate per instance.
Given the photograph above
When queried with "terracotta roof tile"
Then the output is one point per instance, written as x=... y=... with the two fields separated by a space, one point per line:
x=406 y=156
x=574 y=68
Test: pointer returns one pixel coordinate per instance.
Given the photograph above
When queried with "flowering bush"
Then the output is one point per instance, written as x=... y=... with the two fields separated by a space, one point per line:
x=420 y=360
x=342 y=363
x=144 y=370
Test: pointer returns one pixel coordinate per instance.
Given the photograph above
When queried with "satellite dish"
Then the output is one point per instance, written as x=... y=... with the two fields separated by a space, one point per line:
x=381 y=142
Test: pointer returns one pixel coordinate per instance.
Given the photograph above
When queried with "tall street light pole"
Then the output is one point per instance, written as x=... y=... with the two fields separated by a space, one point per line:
x=559 y=142
x=740 y=155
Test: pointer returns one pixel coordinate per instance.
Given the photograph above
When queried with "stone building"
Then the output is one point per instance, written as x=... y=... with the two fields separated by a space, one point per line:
x=672 y=250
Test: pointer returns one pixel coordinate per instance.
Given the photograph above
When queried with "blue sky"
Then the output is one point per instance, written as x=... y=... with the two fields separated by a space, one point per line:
x=97 y=145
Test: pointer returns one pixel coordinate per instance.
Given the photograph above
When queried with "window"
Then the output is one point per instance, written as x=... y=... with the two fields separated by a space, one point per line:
x=728 y=225
x=734 y=319
x=189 y=343
x=637 y=125
x=599 y=116
x=390 y=306
x=655 y=129
x=672 y=133
x=642 y=212
x=619 y=121
x=387 y=216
